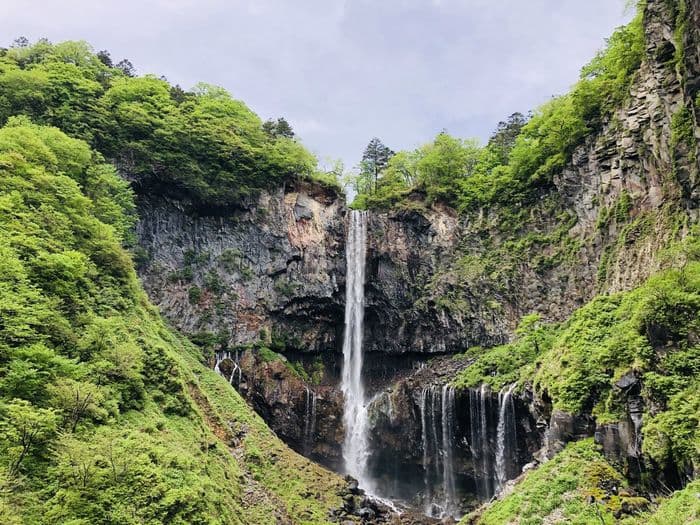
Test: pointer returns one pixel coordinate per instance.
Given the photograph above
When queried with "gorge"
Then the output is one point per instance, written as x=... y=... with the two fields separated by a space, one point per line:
x=196 y=326
x=416 y=439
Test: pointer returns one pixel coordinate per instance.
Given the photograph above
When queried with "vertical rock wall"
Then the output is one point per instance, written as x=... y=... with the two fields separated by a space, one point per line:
x=272 y=270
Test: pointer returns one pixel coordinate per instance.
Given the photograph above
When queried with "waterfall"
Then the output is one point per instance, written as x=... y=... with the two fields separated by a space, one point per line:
x=236 y=372
x=448 y=476
x=493 y=439
x=356 y=444
x=425 y=440
x=309 y=420
x=479 y=442
x=437 y=410
x=505 y=435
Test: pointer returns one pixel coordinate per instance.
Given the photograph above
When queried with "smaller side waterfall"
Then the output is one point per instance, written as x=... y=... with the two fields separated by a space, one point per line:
x=506 y=439
x=493 y=439
x=479 y=442
x=425 y=439
x=309 y=420
x=437 y=410
x=236 y=373
x=448 y=444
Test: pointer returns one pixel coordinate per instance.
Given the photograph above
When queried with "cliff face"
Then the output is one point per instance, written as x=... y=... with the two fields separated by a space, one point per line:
x=645 y=160
x=409 y=251
x=270 y=273
x=271 y=270
x=274 y=269
x=439 y=283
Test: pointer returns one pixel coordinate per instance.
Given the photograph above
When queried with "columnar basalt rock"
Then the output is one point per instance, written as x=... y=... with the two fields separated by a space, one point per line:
x=408 y=250
x=623 y=197
x=272 y=269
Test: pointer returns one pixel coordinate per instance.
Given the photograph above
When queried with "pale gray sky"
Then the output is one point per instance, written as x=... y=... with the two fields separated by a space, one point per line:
x=343 y=71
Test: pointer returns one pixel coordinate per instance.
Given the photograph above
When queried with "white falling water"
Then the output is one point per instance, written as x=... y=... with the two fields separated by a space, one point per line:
x=309 y=420
x=426 y=451
x=505 y=434
x=356 y=444
x=437 y=408
x=448 y=473
x=479 y=442
x=236 y=372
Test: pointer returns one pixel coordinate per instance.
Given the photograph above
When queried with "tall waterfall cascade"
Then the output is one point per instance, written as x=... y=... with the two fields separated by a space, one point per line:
x=437 y=409
x=355 y=416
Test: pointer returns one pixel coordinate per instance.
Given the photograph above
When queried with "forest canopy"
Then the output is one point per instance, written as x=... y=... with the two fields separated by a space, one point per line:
x=202 y=144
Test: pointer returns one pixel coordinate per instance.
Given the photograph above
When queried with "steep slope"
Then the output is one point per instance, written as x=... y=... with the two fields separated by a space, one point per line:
x=107 y=415
x=579 y=486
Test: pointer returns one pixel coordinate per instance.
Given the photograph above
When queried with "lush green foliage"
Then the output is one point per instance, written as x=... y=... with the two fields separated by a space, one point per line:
x=503 y=365
x=521 y=156
x=104 y=414
x=651 y=331
x=579 y=487
x=201 y=143
x=561 y=490
x=681 y=508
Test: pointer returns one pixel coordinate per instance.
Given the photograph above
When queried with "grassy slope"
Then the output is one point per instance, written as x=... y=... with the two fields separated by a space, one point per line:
x=122 y=422
x=564 y=490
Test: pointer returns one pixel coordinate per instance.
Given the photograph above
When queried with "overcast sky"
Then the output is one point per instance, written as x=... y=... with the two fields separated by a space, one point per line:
x=343 y=71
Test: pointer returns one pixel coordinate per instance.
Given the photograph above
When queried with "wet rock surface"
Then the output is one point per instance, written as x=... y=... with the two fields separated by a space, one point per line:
x=308 y=416
x=409 y=443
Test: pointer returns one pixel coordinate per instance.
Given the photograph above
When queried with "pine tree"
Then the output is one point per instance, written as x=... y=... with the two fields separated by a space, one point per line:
x=375 y=159
x=278 y=128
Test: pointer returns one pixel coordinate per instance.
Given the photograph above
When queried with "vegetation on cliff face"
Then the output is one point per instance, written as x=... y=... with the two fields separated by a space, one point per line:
x=580 y=487
x=107 y=416
x=202 y=144
x=652 y=332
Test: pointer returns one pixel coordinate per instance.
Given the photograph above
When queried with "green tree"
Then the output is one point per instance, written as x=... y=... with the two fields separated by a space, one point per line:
x=502 y=140
x=126 y=67
x=278 y=128
x=25 y=429
x=444 y=166
x=77 y=400
x=374 y=160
